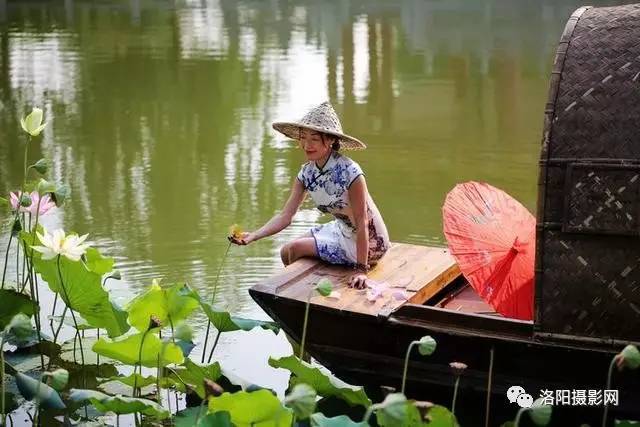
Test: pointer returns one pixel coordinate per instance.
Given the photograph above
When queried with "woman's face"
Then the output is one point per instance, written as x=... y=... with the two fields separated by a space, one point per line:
x=314 y=144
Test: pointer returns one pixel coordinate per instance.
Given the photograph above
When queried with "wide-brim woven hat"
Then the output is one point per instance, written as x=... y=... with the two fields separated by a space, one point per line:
x=322 y=118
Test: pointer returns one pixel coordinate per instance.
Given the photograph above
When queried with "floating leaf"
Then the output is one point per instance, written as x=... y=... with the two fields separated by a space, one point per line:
x=119 y=404
x=224 y=322
x=324 y=287
x=24 y=362
x=127 y=350
x=540 y=413
x=70 y=352
x=302 y=400
x=172 y=304
x=319 y=420
x=325 y=385
x=259 y=408
x=68 y=320
x=187 y=418
x=30 y=389
x=84 y=292
x=426 y=345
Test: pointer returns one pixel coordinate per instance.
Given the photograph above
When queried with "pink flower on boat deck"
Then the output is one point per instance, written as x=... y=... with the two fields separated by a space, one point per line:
x=400 y=295
x=376 y=290
x=45 y=203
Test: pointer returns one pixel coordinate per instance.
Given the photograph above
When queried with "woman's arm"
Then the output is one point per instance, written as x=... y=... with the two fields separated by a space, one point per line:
x=279 y=221
x=358 y=200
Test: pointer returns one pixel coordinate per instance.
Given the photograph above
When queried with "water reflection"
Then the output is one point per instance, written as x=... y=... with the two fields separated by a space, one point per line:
x=160 y=114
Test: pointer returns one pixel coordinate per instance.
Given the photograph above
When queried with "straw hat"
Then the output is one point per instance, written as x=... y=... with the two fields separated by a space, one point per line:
x=322 y=118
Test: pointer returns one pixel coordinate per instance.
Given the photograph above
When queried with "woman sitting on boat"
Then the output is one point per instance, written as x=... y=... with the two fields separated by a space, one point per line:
x=357 y=237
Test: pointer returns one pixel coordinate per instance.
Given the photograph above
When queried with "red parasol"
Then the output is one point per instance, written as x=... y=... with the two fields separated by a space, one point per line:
x=492 y=237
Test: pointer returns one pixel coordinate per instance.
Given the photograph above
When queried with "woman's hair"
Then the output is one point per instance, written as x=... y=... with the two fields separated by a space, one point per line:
x=335 y=145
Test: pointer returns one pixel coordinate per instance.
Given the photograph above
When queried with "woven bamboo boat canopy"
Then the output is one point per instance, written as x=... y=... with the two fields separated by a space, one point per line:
x=588 y=246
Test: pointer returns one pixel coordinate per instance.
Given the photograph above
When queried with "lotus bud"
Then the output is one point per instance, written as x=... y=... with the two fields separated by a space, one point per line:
x=423 y=407
x=154 y=322
x=58 y=378
x=457 y=368
x=45 y=187
x=324 y=287
x=32 y=124
x=302 y=400
x=42 y=166
x=25 y=200
x=629 y=357
x=387 y=390
x=540 y=413
x=211 y=388
x=426 y=345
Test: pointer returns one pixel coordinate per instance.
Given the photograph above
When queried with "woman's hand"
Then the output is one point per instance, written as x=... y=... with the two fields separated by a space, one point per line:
x=358 y=281
x=244 y=239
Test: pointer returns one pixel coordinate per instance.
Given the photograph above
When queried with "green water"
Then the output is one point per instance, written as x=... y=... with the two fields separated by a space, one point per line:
x=160 y=116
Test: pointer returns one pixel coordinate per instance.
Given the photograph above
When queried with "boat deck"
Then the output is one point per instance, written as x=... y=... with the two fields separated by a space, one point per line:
x=419 y=271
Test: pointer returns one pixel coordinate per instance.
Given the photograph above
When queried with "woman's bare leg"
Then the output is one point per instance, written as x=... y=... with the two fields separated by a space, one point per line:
x=298 y=248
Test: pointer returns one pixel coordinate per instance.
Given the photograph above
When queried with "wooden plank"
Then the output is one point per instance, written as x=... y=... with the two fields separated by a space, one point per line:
x=420 y=271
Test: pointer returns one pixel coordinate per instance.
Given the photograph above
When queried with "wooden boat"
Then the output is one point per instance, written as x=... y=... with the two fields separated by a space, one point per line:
x=587 y=297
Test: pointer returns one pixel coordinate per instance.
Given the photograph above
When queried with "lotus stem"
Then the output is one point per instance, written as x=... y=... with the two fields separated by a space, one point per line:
x=609 y=375
x=486 y=418
x=158 y=373
x=304 y=324
x=213 y=298
x=367 y=414
x=37 y=401
x=55 y=335
x=406 y=365
x=34 y=301
x=516 y=422
x=215 y=343
x=75 y=323
x=139 y=363
x=6 y=258
x=200 y=410
x=455 y=394
x=2 y=379
x=97 y=355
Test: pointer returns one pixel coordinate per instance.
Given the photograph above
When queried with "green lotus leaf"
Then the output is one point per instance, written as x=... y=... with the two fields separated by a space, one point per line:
x=194 y=375
x=119 y=404
x=324 y=384
x=439 y=416
x=225 y=322
x=31 y=389
x=168 y=305
x=187 y=418
x=58 y=379
x=319 y=420
x=132 y=379
x=183 y=332
x=12 y=303
x=397 y=411
x=626 y=423
x=258 y=408
x=97 y=263
x=127 y=350
x=84 y=292
x=302 y=400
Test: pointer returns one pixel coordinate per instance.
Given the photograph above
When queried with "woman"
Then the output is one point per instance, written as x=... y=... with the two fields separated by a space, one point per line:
x=357 y=237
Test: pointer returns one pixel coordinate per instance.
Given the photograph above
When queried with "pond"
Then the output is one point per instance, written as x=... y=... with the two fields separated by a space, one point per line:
x=160 y=121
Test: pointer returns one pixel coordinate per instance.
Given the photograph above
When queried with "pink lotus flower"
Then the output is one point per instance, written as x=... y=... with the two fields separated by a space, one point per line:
x=45 y=203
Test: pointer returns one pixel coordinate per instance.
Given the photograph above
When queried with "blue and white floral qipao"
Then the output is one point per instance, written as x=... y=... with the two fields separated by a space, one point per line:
x=328 y=187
